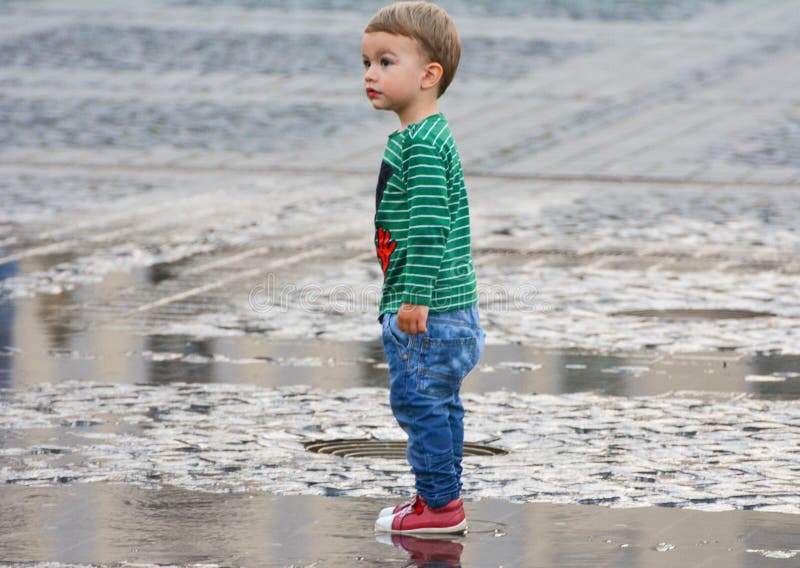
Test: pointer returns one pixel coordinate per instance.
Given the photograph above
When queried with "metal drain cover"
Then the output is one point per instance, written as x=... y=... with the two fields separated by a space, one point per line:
x=364 y=448
x=694 y=314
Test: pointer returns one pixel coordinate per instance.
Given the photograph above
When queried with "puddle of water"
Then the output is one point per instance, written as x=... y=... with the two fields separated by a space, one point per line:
x=106 y=524
x=42 y=341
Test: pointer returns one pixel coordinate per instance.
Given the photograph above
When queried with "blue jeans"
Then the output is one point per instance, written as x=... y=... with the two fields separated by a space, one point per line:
x=425 y=375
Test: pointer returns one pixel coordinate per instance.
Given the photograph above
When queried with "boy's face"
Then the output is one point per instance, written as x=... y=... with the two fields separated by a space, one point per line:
x=394 y=69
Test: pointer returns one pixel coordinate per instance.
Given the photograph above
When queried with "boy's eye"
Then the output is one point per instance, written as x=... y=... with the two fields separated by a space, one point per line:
x=385 y=62
x=366 y=64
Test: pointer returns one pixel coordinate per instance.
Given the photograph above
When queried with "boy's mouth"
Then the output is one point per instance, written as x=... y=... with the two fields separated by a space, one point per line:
x=372 y=93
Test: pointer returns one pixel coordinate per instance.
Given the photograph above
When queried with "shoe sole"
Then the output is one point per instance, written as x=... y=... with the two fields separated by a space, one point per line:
x=459 y=528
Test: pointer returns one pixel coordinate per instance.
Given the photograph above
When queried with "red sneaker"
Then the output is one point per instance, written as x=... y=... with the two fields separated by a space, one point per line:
x=421 y=519
x=387 y=511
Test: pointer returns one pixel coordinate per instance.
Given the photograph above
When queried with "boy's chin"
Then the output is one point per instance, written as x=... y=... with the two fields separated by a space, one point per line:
x=380 y=105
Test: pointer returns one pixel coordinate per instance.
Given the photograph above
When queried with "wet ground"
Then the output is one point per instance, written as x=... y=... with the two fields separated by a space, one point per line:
x=188 y=288
x=690 y=450
x=125 y=526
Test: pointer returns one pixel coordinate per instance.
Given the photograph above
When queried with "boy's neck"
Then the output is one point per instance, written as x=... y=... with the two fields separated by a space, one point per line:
x=418 y=112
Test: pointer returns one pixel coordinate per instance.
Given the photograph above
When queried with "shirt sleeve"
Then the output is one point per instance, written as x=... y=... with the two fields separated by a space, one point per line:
x=428 y=221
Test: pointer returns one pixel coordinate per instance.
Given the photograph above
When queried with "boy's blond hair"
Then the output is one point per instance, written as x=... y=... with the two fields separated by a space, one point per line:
x=430 y=26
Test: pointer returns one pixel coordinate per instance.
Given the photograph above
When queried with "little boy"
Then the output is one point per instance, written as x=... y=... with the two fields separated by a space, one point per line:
x=429 y=305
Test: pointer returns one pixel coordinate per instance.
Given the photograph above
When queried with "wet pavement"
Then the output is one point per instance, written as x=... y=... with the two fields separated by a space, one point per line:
x=121 y=357
x=689 y=450
x=188 y=292
x=120 y=525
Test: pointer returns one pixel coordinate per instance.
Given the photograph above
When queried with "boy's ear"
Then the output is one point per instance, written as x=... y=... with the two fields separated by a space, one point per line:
x=432 y=75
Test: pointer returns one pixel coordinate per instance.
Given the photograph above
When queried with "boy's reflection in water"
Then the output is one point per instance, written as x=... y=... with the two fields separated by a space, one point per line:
x=427 y=552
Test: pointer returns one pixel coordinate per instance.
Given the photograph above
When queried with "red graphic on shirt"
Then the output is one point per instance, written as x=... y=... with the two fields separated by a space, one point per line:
x=385 y=247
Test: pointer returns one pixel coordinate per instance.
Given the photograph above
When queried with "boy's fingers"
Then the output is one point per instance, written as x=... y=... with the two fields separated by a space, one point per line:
x=402 y=325
x=412 y=319
x=417 y=325
x=405 y=325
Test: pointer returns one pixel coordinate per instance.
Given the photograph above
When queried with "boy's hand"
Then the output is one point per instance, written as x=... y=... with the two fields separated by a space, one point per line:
x=412 y=318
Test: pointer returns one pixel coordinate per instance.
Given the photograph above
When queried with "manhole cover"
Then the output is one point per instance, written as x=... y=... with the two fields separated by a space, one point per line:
x=385 y=449
x=694 y=314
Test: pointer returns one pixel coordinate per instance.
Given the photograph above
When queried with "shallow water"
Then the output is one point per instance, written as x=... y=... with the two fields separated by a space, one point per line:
x=119 y=525
x=55 y=347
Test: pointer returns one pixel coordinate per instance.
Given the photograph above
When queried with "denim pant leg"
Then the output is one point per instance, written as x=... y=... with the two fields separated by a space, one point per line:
x=426 y=371
x=456 y=415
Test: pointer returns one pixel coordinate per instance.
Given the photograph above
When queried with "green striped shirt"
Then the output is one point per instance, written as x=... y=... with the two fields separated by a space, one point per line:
x=422 y=234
